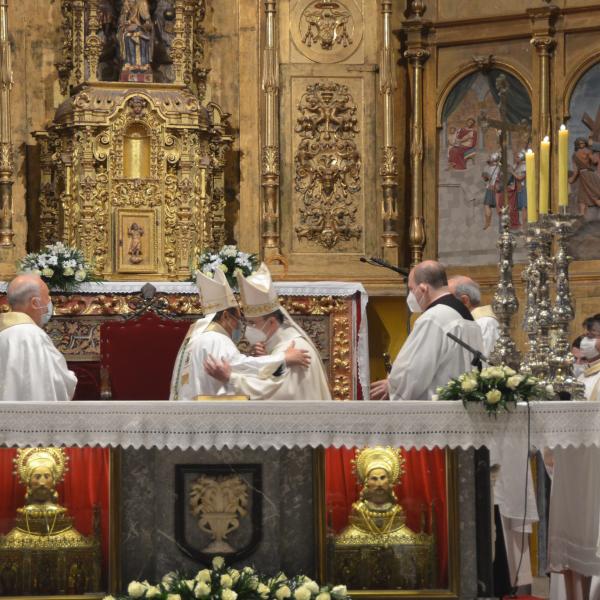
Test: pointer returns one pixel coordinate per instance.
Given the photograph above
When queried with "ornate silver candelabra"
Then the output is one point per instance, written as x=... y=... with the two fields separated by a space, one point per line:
x=538 y=311
x=561 y=359
x=505 y=303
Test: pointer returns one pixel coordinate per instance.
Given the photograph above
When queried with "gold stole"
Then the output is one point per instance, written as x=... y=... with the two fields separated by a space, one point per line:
x=14 y=318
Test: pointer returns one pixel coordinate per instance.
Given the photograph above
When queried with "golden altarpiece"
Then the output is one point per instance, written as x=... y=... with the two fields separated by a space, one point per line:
x=132 y=162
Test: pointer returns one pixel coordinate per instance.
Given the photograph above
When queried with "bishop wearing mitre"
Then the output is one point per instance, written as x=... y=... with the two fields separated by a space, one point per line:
x=31 y=368
x=270 y=329
x=213 y=339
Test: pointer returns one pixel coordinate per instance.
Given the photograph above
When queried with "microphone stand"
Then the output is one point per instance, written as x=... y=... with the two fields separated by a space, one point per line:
x=378 y=262
x=478 y=357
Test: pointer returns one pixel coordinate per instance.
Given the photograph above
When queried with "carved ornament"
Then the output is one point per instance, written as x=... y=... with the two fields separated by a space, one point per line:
x=327 y=165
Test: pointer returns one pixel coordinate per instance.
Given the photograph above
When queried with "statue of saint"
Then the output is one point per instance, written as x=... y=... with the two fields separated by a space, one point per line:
x=136 y=38
x=377 y=549
x=135 y=233
x=66 y=561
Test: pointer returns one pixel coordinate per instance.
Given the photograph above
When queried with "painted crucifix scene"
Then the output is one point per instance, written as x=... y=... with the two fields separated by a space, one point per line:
x=584 y=167
x=486 y=117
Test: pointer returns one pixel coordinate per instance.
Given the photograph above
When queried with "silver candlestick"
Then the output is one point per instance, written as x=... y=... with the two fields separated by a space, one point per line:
x=561 y=359
x=505 y=303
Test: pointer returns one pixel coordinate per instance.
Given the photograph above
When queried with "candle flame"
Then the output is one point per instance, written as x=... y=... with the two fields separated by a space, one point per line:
x=563 y=127
x=546 y=139
x=529 y=151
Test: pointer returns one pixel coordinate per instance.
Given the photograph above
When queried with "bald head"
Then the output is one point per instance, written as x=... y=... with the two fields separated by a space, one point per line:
x=466 y=290
x=28 y=293
x=428 y=281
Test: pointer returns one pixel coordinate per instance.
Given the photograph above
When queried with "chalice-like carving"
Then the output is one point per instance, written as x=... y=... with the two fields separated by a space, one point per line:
x=218 y=503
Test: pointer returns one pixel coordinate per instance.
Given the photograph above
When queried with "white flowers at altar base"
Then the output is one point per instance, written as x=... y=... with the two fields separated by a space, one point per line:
x=494 y=387
x=61 y=267
x=230 y=260
x=225 y=583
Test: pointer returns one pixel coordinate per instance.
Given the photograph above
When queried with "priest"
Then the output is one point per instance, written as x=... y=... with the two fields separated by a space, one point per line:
x=270 y=329
x=213 y=339
x=469 y=293
x=31 y=368
x=429 y=358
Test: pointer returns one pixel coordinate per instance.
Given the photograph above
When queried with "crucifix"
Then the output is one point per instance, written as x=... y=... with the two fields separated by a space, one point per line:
x=593 y=125
x=503 y=126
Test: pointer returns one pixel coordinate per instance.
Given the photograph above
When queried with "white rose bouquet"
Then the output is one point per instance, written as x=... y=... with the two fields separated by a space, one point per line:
x=230 y=260
x=495 y=388
x=225 y=583
x=61 y=267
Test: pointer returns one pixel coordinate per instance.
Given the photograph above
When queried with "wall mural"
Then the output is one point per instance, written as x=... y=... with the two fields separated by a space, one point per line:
x=470 y=182
x=584 y=176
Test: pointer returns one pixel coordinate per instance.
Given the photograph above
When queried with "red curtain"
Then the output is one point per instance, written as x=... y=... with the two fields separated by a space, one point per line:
x=423 y=483
x=86 y=485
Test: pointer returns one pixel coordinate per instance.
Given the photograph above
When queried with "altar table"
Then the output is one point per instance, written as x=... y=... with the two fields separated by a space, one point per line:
x=221 y=424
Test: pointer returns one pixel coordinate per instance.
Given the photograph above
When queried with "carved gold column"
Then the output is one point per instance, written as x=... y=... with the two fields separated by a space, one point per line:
x=78 y=37
x=270 y=149
x=416 y=53
x=6 y=153
x=93 y=43
x=179 y=46
x=389 y=161
x=542 y=25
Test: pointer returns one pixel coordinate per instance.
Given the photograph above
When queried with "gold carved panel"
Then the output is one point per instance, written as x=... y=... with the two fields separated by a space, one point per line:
x=137 y=240
x=327 y=32
x=326 y=178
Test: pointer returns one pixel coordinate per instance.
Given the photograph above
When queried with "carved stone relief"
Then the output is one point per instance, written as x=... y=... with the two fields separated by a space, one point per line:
x=327 y=31
x=327 y=165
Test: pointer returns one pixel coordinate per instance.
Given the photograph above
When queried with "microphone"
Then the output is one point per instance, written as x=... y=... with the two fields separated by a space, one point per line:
x=477 y=356
x=378 y=262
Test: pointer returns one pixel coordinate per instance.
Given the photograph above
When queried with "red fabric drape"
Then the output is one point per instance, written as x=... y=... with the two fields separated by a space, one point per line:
x=424 y=482
x=86 y=484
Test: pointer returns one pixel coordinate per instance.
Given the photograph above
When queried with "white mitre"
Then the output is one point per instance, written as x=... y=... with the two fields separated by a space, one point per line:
x=215 y=294
x=257 y=294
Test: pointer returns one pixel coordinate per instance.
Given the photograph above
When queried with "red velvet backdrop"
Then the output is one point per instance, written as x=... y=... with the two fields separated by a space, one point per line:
x=423 y=482
x=86 y=484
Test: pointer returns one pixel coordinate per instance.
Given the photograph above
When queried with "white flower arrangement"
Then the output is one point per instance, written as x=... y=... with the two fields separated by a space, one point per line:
x=230 y=260
x=61 y=267
x=494 y=387
x=224 y=583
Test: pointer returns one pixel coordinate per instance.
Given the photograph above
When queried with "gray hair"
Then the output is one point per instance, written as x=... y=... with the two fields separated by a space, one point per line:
x=471 y=290
x=22 y=291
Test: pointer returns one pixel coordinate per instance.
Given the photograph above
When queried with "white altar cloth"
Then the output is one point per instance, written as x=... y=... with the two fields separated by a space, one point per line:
x=264 y=425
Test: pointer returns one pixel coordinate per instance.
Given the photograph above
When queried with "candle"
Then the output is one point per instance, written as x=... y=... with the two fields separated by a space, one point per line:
x=530 y=180
x=563 y=166
x=544 y=175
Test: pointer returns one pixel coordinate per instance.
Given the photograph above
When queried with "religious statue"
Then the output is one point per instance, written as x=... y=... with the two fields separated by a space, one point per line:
x=136 y=41
x=463 y=146
x=64 y=561
x=377 y=549
x=135 y=232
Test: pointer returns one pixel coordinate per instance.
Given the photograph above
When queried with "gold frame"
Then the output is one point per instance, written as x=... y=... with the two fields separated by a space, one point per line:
x=319 y=508
x=149 y=266
x=114 y=539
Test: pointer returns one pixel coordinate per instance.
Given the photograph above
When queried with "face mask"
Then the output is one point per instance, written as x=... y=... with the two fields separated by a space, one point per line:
x=588 y=347
x=236 y=334
x=46 y=316
x=255 y=335
x=413 y=304
x=578 y=369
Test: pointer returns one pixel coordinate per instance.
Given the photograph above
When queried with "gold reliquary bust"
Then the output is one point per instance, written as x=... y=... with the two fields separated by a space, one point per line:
x=377 y=550
x=44 y=553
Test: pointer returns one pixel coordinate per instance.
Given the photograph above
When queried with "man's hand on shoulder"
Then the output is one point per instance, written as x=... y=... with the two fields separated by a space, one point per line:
x=295 y=357
x=219 y=369
x=380 y=390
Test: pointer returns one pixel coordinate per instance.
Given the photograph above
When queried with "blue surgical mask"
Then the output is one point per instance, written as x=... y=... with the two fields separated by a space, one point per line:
x=236 y=334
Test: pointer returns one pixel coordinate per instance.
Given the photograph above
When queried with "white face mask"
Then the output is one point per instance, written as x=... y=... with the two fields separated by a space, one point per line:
x=46 y=316
x=578 y=369
x=588 y=347
x=255 y=335
x=413 y=304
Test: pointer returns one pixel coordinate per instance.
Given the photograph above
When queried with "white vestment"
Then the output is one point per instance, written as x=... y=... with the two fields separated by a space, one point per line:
x=31 y=368
x=429 y=359
x=205 y=337
x=490 y=329
x=574 y=524
x=297 y=383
